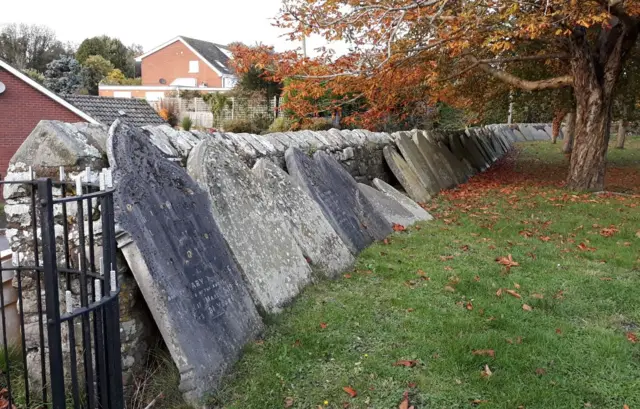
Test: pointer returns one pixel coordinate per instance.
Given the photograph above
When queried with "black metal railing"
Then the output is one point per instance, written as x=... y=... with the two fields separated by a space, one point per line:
x=67 y=353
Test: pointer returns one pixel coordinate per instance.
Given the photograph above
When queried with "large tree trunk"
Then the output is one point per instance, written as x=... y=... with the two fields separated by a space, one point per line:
x=591 y=141
x=569 y=131
x=595 y=74
x=622 y=129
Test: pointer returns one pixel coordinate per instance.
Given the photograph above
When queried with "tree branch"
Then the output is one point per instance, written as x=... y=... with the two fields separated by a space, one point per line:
x=552 y=83
x=526 y=58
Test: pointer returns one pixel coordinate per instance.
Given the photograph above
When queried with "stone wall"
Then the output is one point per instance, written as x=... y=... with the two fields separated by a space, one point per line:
x=432 y=161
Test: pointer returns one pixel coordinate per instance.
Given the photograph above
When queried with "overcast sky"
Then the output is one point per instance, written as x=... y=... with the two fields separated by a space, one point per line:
x=151 y=23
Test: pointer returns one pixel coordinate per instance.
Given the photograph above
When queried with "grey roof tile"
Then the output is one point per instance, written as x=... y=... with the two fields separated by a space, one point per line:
x=212 y=53
x=105 y=110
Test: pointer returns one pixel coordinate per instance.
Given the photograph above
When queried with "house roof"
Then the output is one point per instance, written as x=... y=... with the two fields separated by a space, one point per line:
x=216 y=56
x=57 y=98
x=105 y=110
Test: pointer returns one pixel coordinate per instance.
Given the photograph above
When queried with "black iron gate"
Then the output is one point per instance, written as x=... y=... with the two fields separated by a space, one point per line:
x=64 y=349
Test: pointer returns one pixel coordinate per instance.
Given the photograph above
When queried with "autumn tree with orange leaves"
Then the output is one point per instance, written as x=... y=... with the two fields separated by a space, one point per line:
x=405 y=52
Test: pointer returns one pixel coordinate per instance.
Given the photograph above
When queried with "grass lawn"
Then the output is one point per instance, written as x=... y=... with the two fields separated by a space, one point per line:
x=430 y=319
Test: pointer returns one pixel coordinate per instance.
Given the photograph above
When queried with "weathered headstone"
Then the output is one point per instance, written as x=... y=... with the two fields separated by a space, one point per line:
x=336 y=202
x=418 y=212
x=182 y=264
x=374 y=222
x=437 y=163
x=394 y=212
x=418 y=163
x=272 y=263
x=319 y=242
x=405 y=175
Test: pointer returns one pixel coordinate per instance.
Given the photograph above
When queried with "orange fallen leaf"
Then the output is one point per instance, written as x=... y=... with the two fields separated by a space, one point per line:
x=625 y=406
x=445 y=258
x=410 y=309
x=347 y=276
x=499 y=292
x=486 y=372
x=513 y=293
x=527 y=307
x=323 y=325
x=608 y=231
x=626 y=244
x=469 y=306
x=559 y=295
x=464 y=248
x=398 y=227
x=558 y=331
x=584 y=247
x=507 y=261
x=484 y=352
x=516 y=285
x=297 y=343
x=352 y=392
x=545 y=238
x=385 y=241
x=633 y=338
x=476 y=278
x=405 y=363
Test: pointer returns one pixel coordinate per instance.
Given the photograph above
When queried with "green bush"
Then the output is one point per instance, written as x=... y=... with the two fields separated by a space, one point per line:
x=256 y=125
x=317 y=124
x=281 y=124
x=187 y=123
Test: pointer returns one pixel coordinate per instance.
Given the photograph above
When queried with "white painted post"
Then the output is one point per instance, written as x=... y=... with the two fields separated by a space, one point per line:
x=68 y=301
x=62 y=174
x=98 y=284
x=114 y=285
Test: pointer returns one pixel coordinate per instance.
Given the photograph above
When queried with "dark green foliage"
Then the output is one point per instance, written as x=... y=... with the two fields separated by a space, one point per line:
x=112 y=49
x=256 y=125
x=187 y=123
x=63 y=76
x=95 y=69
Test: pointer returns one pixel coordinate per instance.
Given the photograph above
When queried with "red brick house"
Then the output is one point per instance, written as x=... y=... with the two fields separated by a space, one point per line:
x=181 y=63
x=23 y=104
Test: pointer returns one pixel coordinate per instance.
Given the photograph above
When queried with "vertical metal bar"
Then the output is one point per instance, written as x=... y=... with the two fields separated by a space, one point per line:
x=112 y=309
x=23 y=339
x=36 y=256
x=75 y=390
x=45 y=196
x=7 y=358
x=84 y=302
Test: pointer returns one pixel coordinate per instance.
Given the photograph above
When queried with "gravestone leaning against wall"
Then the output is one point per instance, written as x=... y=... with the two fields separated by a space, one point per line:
x=181 y=262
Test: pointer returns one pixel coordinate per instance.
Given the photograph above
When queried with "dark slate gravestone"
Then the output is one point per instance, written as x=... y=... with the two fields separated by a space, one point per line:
x=180 y=260
x=392 y=210
x=337 y=205
x=372 y=220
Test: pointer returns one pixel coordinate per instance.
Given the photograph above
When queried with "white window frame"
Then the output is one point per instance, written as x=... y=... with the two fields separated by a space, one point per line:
x=194 y=67
x=154 y=95
x=122 y=94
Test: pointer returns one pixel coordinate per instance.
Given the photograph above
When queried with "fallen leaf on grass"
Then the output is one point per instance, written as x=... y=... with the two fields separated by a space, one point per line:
x=540 y=371
x=408 y=364
x=527 y=307
x=484 y=352
x=464 y=248
x=352 y=392
x=606 y=278
x=398 y=227
x=626 y=244
x=486 y=372
x=476 y=278
x=499 y=292
x=448 y=268
x=559 y=295
x=516 y=285
x=625 y=406
x=259 y=342
x=537 y=296
x=445 y=258
x=469 y=306
x=608 y=231
x=584 y=247
x=507 y=261
x=633 y=338
x=288 y=402
x=449 y=289
x=410 y=309
x=533 y=256
x=347 y=276
x=478 y=401
x=385 y=241
x=558 y=331
x=323 y=325
x=297 y=343
x=513 y=293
